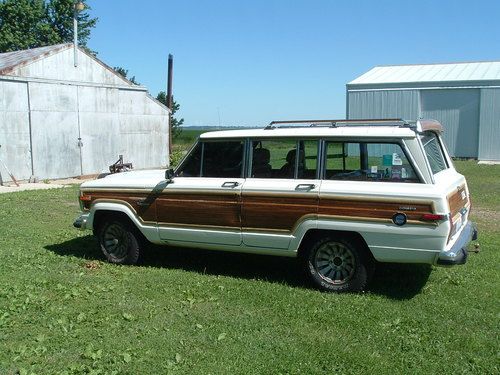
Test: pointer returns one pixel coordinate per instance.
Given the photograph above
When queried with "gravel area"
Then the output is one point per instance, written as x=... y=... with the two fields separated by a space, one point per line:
x=52 y=184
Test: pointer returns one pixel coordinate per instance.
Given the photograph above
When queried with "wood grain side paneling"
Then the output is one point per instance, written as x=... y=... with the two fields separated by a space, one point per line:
x=203 y=209
x=372 y=209
x=146 y=213
x=275 y=212
x=456 y=201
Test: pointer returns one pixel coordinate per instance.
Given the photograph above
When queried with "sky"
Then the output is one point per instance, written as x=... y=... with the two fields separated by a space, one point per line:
x=246 y=63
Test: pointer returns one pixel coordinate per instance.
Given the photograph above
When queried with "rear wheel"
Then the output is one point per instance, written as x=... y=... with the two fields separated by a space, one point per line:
x=119 y=242
x=337 y=265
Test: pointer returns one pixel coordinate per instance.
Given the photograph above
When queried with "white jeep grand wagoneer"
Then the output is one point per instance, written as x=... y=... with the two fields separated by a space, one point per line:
x=338 y=194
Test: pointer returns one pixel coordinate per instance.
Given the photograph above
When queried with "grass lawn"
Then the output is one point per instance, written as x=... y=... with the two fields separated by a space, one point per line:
x=63 y=310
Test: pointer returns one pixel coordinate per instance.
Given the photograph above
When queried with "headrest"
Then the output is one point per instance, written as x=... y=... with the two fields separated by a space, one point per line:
x=261 y=156
x=290 y=157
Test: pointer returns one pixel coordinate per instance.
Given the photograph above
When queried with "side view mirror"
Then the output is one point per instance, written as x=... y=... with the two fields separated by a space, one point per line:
x=169 y=174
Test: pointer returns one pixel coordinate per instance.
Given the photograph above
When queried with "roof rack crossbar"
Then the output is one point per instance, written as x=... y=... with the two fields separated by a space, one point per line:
x=336 y=123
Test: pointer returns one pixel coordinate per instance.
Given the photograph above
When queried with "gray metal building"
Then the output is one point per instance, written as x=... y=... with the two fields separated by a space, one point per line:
x=60 y=120
x=464 y=97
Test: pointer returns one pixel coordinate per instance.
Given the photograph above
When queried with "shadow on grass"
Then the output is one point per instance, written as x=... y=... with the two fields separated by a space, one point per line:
x=399 y=281
x=396 y=281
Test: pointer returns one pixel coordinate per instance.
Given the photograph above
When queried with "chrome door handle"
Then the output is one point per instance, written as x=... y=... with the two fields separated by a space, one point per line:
x=305 y=187
x=230 y=184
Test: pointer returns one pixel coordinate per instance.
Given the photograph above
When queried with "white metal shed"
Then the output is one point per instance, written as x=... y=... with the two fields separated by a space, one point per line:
x=60 y=120
x=464 y=97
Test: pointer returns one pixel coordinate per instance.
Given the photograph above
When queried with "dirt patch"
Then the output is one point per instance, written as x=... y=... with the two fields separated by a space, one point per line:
x=49 y=184
x=487 y=218
x=92 y=265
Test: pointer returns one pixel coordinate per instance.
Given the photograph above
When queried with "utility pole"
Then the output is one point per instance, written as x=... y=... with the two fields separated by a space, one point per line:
x=170 y=100
x=78 y=6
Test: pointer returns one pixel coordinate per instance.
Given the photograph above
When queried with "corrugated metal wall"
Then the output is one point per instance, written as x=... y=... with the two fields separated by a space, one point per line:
x=458 y=111
x=14 y=129
x=109 y=122
x=114 y=118
x=54 y=124
x=489 y=128
x=470 y=116
x=383 y=104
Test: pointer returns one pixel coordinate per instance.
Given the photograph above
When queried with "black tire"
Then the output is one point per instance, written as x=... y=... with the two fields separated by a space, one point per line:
x=119 y=242
x=338 y=265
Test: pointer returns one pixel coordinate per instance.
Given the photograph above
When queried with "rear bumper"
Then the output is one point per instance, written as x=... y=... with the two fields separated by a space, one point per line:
x=458 y=252
x=81 y=221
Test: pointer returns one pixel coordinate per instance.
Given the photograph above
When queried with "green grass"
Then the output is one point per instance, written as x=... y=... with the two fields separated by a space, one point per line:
x=64 y=310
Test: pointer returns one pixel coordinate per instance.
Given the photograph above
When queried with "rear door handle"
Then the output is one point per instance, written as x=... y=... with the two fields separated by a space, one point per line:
x=305 y=187
x=230 y=184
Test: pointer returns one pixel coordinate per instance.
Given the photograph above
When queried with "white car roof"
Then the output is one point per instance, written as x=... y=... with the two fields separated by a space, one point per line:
x=377 y=131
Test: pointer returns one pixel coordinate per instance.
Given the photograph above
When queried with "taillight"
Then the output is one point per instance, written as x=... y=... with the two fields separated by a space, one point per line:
x=433 y=217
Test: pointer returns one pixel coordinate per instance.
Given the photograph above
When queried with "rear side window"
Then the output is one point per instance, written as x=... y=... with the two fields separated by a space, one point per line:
x=366 y=161
x=434 y=152
x=284 y=158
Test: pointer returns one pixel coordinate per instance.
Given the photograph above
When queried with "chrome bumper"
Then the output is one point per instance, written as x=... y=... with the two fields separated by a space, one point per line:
x=81 y=221
x=458 y=253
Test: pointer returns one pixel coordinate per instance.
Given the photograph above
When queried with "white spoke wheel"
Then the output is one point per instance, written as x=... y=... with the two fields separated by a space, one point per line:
x=119 y=242
x=337 y=265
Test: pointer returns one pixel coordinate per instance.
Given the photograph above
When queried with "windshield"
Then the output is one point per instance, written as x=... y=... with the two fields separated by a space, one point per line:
x=434 y=152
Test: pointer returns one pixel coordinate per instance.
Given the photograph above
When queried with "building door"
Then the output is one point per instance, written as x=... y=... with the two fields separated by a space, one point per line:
x=55 y=133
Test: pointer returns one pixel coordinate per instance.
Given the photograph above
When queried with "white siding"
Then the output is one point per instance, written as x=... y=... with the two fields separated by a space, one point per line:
x=55 y=144
x=60 y=66
x=14 y=130
x=112 y=119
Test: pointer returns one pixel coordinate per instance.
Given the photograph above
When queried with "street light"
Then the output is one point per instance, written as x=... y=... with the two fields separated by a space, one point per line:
x=78 y=7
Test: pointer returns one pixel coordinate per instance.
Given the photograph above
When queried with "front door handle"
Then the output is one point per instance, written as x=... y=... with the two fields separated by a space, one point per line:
x=305 y=187
x=230 y=184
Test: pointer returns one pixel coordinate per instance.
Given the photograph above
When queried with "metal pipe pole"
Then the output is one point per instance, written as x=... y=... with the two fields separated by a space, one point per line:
x=169 y=81
x=75 y=33
x=170 y=100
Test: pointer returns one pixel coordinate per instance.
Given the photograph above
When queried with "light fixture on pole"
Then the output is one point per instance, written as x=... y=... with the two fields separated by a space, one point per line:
x=78 y=7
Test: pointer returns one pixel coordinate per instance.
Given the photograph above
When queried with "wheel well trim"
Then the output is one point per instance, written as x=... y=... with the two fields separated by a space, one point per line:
x=313 y=226
x=115 y=206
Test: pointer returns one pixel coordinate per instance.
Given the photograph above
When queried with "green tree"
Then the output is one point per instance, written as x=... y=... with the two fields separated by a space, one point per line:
x=37 y=23
x=124 y=73
x=174 y=121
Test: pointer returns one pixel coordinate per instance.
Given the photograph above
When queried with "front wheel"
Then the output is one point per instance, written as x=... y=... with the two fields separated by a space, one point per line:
x=337 y=265
x=119 y=243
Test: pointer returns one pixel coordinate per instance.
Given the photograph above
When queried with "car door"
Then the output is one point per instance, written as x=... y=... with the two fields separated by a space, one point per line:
x=282 y=190
x=202 y=204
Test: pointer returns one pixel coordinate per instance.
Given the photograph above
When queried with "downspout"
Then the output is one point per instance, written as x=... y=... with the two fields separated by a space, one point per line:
x=75 y=34
x=32 y=178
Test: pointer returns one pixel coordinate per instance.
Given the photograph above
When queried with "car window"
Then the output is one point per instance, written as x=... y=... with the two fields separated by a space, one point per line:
x=434 y=152
x=191 y=164
x=284 y=158
x=214 y=159
x=367 y=161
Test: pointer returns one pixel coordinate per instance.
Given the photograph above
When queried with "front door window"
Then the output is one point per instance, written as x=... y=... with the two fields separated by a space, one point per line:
x=222 y=159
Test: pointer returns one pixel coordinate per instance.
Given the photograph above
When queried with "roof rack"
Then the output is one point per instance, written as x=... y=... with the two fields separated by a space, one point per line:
x=338 y=123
